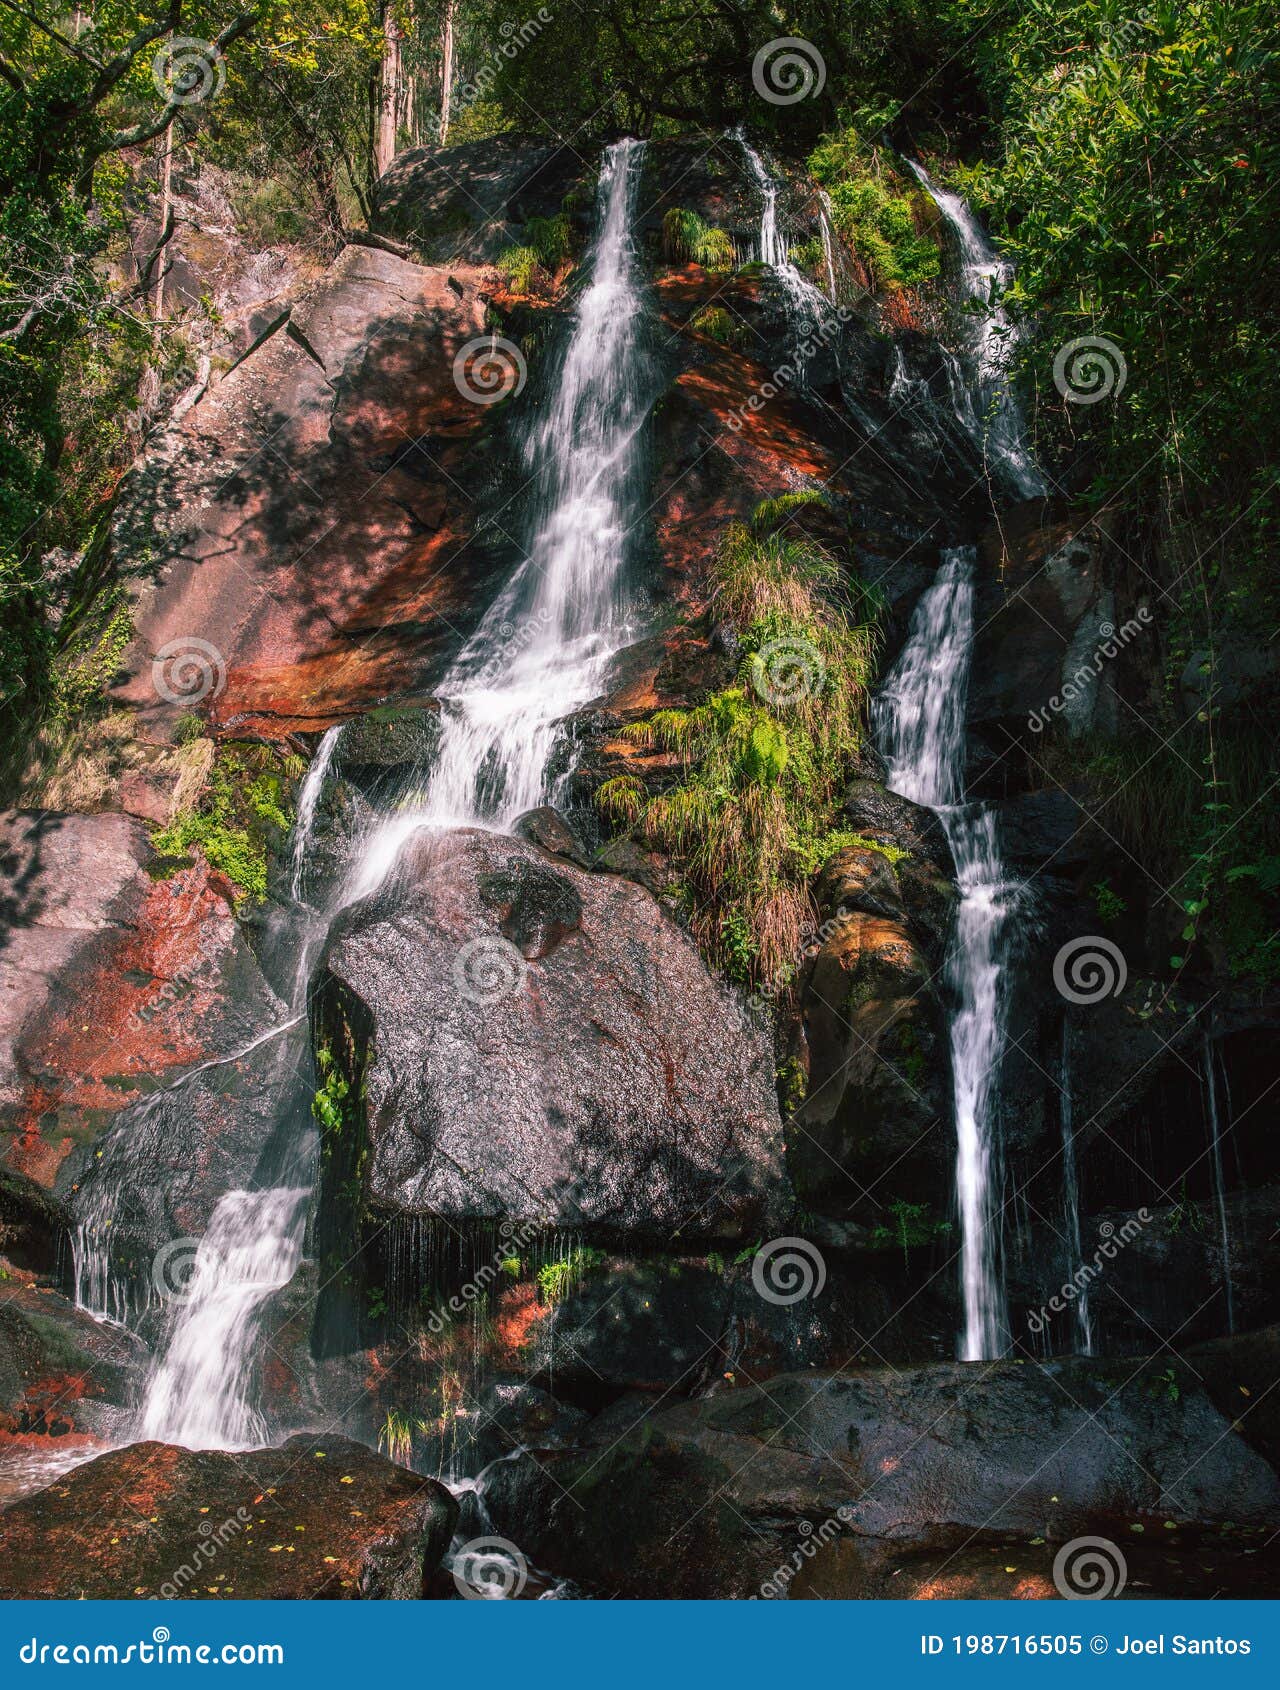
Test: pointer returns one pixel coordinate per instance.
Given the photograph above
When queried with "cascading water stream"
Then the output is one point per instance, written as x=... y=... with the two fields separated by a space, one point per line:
x=1219 y=1179
x=308 y=800
x=197 y=1394
x=991 y=341
x=920 y=716
x=807 y=305
x=542 y=650
x=1071 y=1198
x=545 y=645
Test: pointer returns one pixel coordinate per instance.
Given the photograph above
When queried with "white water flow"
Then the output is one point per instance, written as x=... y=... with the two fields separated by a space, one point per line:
x=1219 y=1181
x=197 y=1394
x=545 y=645
x=308 y=799
x=807 y=305
x=920 y=716
x=828 y=244
x=1071 y=1198
x=991 y=341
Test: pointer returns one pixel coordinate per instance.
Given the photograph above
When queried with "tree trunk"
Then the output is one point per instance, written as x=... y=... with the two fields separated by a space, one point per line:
x=389 y=93
x=446 y=68
x=166 y=203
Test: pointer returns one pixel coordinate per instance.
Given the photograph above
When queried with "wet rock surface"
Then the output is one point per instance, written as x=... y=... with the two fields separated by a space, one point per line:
x=320 y=1517
x=61 y=1371
x=717 y=1497
x=112 y=982
x=547 y=1043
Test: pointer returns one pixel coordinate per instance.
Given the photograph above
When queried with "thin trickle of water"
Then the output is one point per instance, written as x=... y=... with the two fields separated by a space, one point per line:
x=1071 y=1198
x=806 y=305
x=991 y=341
x=545 y=646
x=828 y=243
x=308 y=800
x=1219 y=1181
x=920 y=721
x=197 y=1394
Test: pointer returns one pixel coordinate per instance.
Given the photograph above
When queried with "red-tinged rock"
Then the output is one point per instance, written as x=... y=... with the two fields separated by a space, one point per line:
x=320 y=1517
x=61 y=1371
x=308 y=523
x=110 y=981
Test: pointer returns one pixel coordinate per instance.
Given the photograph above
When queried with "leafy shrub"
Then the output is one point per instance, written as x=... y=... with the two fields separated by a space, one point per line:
x=238 y=819
x=764 y=760
x=887 y=221
x=686 y=239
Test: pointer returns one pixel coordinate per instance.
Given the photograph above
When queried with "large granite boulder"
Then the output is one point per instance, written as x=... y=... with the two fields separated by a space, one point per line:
x=544 y=1044
x=318 y=1517
x=884 y=1471
x=303 y=535
x=62 y=1373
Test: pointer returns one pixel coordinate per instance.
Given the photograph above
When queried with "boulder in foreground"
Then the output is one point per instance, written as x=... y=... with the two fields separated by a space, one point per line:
x=318 y=1517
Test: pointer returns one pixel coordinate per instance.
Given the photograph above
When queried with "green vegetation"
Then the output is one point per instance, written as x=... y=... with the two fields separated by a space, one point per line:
x=720 y=325
x=555 y=1280
x=883 y=217
x=239 y=819
x=533 y=264
x=763 y=761
x=686 y=239
x=396 y=1435
x=910 y=1229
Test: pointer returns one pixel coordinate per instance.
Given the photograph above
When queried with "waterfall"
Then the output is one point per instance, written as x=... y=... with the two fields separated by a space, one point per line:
x=1219 y=1181
x=545 y=645
x=920 y=717
x=1071 y=1197
x=991 y=341
x=197 y=1394
x=308 y=799
x=828 y=243
x=807 y=305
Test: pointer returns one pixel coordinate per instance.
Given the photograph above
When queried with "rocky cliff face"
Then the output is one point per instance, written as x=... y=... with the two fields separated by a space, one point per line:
x=552 y=1141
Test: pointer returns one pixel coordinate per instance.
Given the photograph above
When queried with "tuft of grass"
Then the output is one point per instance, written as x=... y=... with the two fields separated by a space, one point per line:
x=531 y=266
x=556 y=1279
x=237 y=820
x=764 y=761
x=770 y=514
x=719 y=325
x=687 y=239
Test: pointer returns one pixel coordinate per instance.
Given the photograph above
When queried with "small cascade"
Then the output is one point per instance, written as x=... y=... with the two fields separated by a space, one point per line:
x=197 y=1394
x=1216 y=1169
x=991 y=342
x=308 y=800
x=1071 y=1198
x=807 y=305
x=828 y=243
x=109 y=1192
x=920 y=717
x=545 y=646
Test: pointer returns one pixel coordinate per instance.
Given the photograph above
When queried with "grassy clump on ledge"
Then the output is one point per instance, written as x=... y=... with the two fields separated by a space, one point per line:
x=241 y=816
x=882 y=216
x=686 y=239
x=752 y=818
x=533 y=264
